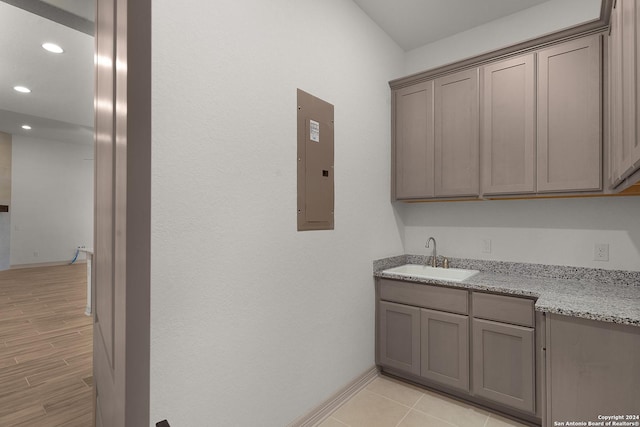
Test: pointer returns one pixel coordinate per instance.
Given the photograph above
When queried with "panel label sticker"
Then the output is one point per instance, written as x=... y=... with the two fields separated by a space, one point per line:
x=314 y=131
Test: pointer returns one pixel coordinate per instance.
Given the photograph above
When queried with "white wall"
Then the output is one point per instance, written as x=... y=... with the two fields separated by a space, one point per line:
x=5 y=199
x=252 y=322
x=559 y=232
x=545 y=18
x=51 y=200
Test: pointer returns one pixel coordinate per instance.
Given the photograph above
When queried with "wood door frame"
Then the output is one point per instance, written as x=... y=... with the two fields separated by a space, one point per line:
x=131 y=133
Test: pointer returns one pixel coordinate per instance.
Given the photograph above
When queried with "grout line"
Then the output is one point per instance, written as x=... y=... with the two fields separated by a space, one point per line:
x=402 y=419
x=419 y=399
x=438 y=418
x=388 y=398
x=413 y=408
x=384 y=397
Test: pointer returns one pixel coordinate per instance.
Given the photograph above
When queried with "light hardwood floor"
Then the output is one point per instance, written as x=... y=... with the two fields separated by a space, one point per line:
x=45 y=348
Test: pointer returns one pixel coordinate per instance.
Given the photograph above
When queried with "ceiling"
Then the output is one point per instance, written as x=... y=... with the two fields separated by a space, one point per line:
x=84 y=8
x=414 y=23
x=60 y=105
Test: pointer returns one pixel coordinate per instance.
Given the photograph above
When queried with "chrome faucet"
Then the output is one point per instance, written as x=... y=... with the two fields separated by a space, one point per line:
x=434 y=255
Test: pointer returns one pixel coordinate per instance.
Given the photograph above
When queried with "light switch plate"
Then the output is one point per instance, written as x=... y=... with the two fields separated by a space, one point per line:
x=486 y=246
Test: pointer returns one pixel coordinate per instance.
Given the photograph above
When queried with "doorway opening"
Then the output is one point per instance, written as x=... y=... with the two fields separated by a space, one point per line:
x=46 y=357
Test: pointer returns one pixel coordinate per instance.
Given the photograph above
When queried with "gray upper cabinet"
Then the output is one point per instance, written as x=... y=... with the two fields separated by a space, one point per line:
x=414 y=141
x=524 y=125
x=399 y=337
x=630 y=49
x=569 y=147
x=508 y=126
x=456 y=112
x=615 y=95
x=624 y=90
x=633 y=161
x=444 y=353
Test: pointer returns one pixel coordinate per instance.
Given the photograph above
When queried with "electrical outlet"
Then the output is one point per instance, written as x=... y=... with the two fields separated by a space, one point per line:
x=601 y=252
x=486 y=246
x=36 y=254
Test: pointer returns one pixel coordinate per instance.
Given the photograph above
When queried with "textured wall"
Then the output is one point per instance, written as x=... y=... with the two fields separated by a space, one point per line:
x=254 y=323
x=559 y=232
x=52 y=200
x=545 y=18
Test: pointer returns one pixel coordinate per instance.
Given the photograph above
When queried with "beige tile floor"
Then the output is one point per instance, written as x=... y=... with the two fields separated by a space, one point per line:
x=385 y=402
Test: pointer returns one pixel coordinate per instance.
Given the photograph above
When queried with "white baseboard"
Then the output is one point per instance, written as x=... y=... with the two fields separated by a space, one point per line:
x=321 y=412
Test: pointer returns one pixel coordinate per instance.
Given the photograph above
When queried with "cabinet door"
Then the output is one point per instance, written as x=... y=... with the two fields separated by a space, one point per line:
x=592 y=369
x=457 y=134
x=444 y=348
x=508 y=126
x=414 y=141
x=569 y=129
x=630 y=149
x=399 y=337
x=634 y=151
x=615 y=95
x=503 y=364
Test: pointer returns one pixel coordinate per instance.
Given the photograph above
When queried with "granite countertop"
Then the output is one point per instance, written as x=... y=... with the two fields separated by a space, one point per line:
x=605 y=295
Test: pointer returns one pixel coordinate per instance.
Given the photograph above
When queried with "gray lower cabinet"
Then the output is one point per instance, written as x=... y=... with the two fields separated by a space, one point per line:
x=504 y=364
x=444 y=348
x=592 y=369
x=476 y=345
x=399 y=337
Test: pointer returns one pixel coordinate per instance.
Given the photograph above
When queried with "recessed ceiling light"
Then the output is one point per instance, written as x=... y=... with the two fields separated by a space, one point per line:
x=26 y=127
x=21 y=89
x=52 y=47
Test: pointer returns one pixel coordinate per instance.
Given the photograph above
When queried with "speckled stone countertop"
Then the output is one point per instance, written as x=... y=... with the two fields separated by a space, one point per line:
x=605 y=295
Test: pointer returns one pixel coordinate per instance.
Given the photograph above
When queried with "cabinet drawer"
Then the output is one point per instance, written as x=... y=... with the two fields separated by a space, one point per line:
x=427 y=296
x=518 y=311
